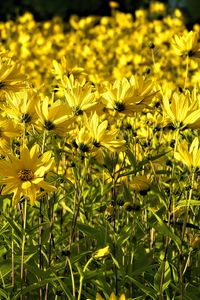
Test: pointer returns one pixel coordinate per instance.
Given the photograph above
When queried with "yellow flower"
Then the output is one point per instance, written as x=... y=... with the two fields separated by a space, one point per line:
x=113 y=4
x=22 y=107
x=129 y=96
x=181 y=110
x=8 y=130
x=83 y=140
x=112 y=297
x=55 y=118
x=101 y=136
x=24 y=176
x=186 y=45
x=101 y=253
x=140 y=183
x=190 y=156
x=67 y=67
x=81 y=99
x=11 y=79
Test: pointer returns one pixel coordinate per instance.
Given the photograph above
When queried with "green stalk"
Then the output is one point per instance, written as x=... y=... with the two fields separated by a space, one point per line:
x=40 y=244
x=24 y=210
x=153 y=59
x=82 y=278
x=79 y=184
x=182 y=269
x=72 y=276
x=13 y=257
x=168 y=239
x=186 y=71
x=114 y=200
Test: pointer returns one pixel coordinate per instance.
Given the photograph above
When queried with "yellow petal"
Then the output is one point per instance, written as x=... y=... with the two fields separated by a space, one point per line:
x=113 y=297
x=122 y=297
x=98 y=297
x=25 y=185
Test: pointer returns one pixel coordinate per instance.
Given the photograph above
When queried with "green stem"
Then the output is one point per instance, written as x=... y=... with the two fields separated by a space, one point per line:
x=182 y=269
x=40 y=244
x=153 y=59
x=186 y=71
x=43 y=141
x=173 y=170
x=80 y=176
x=24 y=209
x=82 y=278
x=188 y=205
x=72 y=276
x=13 y=258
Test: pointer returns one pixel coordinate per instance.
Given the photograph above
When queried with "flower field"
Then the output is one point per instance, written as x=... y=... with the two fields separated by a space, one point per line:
x=100 y=157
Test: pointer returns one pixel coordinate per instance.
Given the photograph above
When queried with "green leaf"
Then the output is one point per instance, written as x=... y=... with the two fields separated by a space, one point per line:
x=17 y=228
x=184 y=203
x=132 y=158
x=5 y=268
x=115 y=261
x=167 y=231
x=86 y=229
x=163 y=268
x=64 y=288
x=147 y=290
x=33 y=287
x=4 y=294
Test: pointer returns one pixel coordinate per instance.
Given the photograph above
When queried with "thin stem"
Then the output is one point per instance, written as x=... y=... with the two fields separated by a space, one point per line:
x=186 y=71
x=153 y=59
x=173 y=170
x=40 y=243
x=82 y=278
x=13 y=258
x=43 y=141
x=182 y=269
x=24 y=209
x=79 y=184
x=72 y=276
x=188 y=205
x=114 y=203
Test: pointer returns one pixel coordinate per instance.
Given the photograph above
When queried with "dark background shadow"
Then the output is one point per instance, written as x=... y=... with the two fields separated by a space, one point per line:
x=46 y=9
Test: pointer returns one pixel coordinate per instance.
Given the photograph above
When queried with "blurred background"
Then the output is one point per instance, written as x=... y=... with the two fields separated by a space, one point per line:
x=46 y=9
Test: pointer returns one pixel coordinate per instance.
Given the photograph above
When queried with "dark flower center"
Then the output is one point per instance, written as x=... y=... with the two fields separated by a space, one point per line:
x=77 y=111
x=48 y=125
x=119 y=106
x=26 y=118
x=25 y=174
x=191 y=53
x=83 y=147
x=96 y=144
x=2 y=84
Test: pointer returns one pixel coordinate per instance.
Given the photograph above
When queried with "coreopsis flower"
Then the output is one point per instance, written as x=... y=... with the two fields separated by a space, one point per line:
x=101 y=253
x=181 y=111
x=189 y=155
x=102 y=137
x=11 y=78
x=83 y=140
x=187 y=45
x=21 y=107
x=112 y=297
x=140 y=183
x=67 y=67
x=8 y=130
x=24 y=176
x=113 y=4
x=81 y=99
x=129 y=96
x=69 y=83
x=54 y=118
